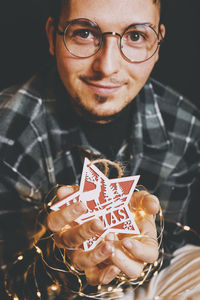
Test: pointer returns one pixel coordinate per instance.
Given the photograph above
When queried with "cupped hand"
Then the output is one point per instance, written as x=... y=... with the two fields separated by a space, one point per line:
x=122 y=253
x=70 y=235
x=133 y=251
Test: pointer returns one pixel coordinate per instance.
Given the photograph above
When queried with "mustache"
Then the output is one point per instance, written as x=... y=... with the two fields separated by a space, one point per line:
x=113 y=80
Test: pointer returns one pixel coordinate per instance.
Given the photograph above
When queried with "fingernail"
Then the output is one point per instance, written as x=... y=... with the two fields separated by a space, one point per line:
x=109 y=275
x=128 y=243
x=70 y=189
x=106 y=249
x=79 y=208
x=96 y=226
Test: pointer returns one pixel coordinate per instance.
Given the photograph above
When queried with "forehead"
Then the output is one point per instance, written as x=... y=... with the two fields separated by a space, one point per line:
x=112 y=12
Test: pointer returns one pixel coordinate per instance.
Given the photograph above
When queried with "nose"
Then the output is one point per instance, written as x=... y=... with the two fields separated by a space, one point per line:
x=107 y=60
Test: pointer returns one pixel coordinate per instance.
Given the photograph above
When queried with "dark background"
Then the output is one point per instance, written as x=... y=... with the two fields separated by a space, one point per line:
x=24 y=48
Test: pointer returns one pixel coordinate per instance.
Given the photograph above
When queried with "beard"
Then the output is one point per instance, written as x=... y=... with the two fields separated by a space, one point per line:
x=90 y=115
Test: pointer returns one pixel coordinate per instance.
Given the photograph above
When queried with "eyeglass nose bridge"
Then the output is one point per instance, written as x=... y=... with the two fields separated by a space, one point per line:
x=111 y=33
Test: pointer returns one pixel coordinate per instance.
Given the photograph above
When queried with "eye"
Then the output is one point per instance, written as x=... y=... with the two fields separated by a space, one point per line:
x=82 y=33
x=135 y=36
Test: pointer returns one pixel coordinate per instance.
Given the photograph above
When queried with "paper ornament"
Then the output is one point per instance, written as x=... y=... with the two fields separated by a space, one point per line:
x=106 y=199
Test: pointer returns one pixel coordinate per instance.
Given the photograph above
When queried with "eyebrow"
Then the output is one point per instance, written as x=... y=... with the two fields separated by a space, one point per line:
x=66 y=23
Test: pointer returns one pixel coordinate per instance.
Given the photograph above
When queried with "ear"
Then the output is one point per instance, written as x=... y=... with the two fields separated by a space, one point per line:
x=162 y=31
x=161 y=37
x=50 y=31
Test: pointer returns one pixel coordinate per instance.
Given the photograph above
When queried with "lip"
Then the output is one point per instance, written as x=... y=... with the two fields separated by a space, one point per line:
x=103 y=89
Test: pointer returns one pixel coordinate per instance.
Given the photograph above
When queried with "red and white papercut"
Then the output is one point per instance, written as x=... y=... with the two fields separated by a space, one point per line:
x=106 y=199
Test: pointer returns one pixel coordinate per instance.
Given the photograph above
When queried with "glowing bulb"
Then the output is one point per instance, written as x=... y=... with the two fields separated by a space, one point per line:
x=15 y=298
x=187 y=228
x=20 y=257
x=54 y=287
x=142 y=213
x=99 y=287
x=155 y=263
x=155 y=273
x=142 y=274
x=38 y=250
x=110 y=289
x=38 y=294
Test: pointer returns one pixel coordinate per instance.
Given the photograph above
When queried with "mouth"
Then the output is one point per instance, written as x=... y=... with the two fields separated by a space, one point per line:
x=103 y=89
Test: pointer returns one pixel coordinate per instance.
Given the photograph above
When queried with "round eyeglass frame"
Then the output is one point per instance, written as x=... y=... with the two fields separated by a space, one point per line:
x=113 y=33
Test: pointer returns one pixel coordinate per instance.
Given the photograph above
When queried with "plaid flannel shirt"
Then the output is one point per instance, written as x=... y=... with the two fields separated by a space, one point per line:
x=39 y=139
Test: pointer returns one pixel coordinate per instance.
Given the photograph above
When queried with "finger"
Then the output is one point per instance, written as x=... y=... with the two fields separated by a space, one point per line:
x=83 y=260
x=96 y=275
x=75 y=236
x=125 y=262
x=66 y=191
x=56 y=220
x=146 y=250
x=142 y=200
x=144 y=247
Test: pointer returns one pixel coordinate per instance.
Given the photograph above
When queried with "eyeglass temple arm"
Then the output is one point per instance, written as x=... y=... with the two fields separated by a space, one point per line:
x=58 y=31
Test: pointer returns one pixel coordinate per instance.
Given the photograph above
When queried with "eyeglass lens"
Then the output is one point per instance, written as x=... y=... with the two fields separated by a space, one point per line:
x=83 y=38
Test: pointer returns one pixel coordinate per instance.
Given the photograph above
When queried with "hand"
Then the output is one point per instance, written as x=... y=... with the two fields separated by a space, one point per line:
x=68 y=234
x=131 y=252
x=118 y=251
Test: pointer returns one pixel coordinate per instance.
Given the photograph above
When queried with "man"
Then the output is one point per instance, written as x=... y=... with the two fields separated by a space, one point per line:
x=99 y=96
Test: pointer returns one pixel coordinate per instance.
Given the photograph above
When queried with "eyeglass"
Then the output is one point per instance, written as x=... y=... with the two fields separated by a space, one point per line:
x=83 y=38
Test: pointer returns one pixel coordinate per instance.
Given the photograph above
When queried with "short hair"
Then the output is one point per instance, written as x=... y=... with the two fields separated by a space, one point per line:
x=55 y=8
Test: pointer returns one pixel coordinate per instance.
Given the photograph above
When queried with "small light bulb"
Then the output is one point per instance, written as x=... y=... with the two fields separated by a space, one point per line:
x=155 y=273
x=155 y=263
x=122 y=278
x=20 y=257
x=187 y=228
x=38 y=250
x=110 y=289
x=54 y=287
x=142 y=213
x=38 y=294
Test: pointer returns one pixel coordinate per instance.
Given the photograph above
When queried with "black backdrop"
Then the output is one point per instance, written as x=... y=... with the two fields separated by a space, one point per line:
x=23 y=45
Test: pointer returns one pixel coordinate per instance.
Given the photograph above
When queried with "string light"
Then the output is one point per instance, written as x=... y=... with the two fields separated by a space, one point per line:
x=54 y=287
x=39 y=294
x=121 y=280
x=186 y=228
x=142 y=213
x=20 y=257
x=38 y=250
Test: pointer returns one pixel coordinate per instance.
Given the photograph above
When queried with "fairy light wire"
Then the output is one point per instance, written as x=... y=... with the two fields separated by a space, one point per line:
x=117 y=287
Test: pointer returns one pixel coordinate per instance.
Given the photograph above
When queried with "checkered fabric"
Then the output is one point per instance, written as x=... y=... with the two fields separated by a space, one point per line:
x=41 y=141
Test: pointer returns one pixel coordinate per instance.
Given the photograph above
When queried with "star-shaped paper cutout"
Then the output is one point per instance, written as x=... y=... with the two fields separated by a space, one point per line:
x=106 y=199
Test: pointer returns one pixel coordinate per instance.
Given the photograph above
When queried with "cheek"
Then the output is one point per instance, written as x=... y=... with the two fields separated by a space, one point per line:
x=66 y=63
x=141 y=71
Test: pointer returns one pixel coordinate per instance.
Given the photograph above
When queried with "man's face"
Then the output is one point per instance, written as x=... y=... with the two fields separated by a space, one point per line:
x=102 y=85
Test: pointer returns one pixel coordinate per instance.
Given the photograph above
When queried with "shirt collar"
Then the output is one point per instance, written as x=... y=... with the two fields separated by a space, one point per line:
x=153 y=126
